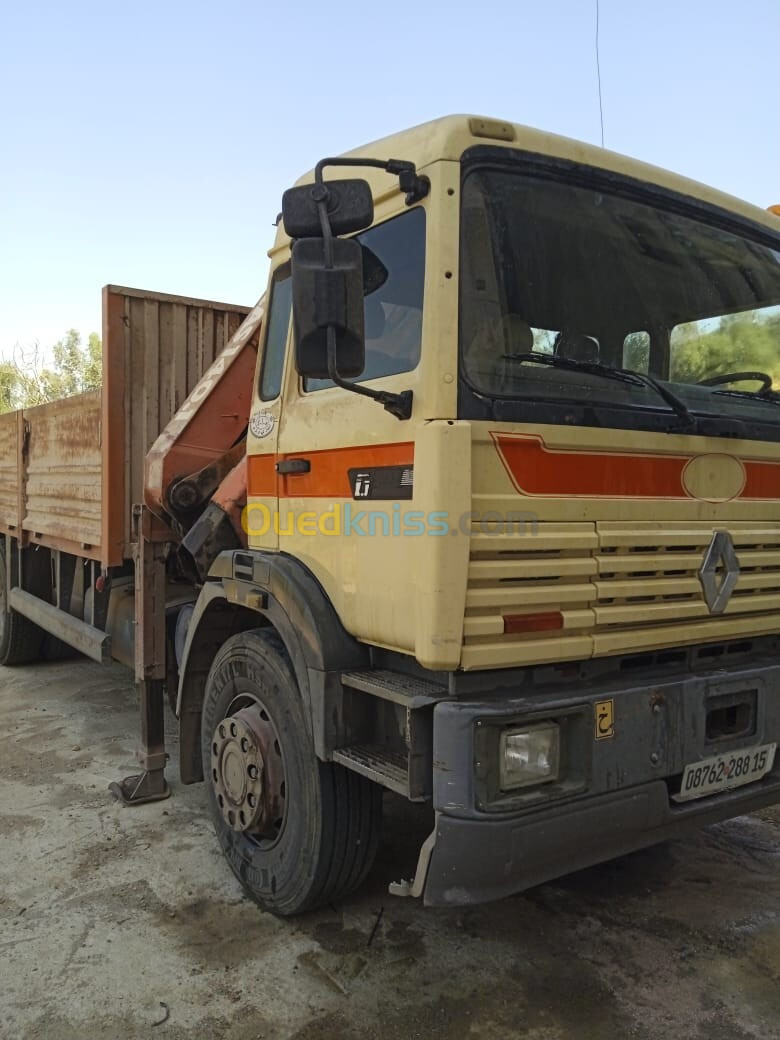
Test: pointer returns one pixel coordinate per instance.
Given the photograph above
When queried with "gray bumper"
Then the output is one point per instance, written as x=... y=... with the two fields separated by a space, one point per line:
x=614 y=793
x=478 y=860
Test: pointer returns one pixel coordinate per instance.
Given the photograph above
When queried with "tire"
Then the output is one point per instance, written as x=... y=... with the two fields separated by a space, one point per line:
x=55 y=650
x=21 y=642
x=318 y=833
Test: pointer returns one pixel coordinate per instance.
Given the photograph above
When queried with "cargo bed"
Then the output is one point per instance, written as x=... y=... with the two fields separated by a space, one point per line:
x=71 y=470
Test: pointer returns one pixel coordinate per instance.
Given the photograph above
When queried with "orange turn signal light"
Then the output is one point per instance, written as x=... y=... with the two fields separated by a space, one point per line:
x=547 y=622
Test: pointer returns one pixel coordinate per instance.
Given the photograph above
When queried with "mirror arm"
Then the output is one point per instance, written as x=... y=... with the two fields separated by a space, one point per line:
x=399 y=405
x=415 y=186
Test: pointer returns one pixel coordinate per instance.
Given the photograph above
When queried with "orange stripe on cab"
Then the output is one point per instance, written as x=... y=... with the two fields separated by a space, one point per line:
x=261 y=476
x=328 y=476
x=538 y=470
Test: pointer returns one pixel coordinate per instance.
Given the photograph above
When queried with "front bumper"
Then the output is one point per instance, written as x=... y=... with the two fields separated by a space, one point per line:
x=614 y=794
x=479 y=860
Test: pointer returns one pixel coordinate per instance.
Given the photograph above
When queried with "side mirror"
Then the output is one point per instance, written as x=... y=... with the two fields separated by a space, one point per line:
x=328 y=296
x=330 y=274
x=349 y=204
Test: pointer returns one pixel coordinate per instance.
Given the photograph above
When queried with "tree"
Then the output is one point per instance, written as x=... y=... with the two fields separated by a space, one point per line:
x=739 y=343
x=9 y=386
x=26 y=381
x=636 y=351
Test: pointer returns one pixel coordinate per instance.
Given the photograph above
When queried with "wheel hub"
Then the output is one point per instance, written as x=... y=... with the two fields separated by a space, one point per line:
x=247 y=772
x=237 y=772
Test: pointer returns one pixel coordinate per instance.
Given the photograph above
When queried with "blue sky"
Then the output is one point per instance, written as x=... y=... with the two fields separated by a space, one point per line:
x=149 y=144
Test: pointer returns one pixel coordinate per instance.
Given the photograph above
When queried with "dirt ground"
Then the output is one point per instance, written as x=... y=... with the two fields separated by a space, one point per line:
x=112 y=920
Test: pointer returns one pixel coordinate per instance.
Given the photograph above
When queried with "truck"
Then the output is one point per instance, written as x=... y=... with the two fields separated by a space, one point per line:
x=480 y=504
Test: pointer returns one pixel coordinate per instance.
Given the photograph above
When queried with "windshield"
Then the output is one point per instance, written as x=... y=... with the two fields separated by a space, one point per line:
x=570 y=271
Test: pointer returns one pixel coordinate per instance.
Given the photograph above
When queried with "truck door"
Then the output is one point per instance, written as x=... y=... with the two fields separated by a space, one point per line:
x=346 y=465
x=263 y=434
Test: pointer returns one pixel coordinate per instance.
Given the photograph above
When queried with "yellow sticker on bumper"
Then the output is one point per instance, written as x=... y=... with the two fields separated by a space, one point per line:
x=604 y=716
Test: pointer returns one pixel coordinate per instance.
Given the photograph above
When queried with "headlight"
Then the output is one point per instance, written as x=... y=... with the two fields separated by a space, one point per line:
x=530 y=755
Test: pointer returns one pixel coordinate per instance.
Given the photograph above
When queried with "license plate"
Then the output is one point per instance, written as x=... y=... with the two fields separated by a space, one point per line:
x=723 y=772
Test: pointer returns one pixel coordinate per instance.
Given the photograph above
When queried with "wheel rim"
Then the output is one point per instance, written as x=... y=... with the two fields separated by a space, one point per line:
x=247 y=771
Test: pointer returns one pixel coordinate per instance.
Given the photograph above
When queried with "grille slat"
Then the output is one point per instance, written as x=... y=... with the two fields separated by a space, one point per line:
x=614 y=578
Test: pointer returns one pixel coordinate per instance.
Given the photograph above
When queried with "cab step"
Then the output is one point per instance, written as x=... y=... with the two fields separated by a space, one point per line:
x=390 y=736
x=382 y=765
x=408 y=690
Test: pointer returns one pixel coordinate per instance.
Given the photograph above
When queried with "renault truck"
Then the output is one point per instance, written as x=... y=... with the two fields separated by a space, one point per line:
x=480 y=505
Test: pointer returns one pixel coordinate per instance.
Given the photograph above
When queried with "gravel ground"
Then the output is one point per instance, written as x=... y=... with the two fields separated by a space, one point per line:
x=112 y=920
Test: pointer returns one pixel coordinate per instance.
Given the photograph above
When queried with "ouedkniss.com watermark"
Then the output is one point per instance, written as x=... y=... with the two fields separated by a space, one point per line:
x=348 y=520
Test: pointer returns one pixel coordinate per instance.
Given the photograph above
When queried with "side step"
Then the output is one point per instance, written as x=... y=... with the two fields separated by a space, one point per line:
x=383 y=766
x=71 y=630
x=403 y=689
x=407 y=770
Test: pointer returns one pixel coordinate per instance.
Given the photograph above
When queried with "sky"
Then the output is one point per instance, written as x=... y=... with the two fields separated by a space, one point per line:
x=148 y=144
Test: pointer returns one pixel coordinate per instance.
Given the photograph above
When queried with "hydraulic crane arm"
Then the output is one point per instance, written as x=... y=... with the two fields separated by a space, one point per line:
x=195 y=472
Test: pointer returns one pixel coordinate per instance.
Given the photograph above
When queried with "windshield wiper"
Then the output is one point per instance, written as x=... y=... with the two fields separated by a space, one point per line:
x=770 y=396
x=622 y=375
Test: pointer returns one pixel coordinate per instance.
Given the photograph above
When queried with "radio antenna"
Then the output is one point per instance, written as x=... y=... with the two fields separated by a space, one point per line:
x=598 y=74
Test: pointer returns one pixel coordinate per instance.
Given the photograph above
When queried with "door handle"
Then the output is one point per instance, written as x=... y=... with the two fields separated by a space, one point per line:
x=292 y=466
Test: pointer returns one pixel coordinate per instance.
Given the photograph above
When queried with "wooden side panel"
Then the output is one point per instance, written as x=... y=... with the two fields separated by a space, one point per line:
x=64 y=473
x=9 y=479
x=156 y=348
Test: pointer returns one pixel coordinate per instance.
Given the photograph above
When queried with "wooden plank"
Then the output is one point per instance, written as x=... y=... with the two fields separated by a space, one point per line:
x=187 y=301
x=22 y=430
x=219 y=331
x=179 y=355
x=64 y=470
x=9 y=483
x=206 y=342
x=136 y=405
x=151 y=370
x=193 y=341
x=114 y=479
x=165 y=361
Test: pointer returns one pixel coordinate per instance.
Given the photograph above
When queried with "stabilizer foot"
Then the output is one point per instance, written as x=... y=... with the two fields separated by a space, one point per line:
x=150 y=786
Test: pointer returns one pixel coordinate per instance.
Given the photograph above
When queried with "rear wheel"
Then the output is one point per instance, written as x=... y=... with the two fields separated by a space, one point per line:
x=298 y=833
x=21 y=642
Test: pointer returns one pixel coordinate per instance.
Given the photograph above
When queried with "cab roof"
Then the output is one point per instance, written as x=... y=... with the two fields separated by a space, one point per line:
x=449 y=137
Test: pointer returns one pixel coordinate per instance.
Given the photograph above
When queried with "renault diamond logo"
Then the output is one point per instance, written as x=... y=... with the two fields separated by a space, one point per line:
x=719 y=572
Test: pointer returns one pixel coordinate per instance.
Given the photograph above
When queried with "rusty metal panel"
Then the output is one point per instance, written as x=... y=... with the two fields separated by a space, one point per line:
x=156 y=347
x=64 y=473
x=9 y=478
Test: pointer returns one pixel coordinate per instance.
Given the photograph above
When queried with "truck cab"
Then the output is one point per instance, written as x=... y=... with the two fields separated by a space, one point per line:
x=523 y=564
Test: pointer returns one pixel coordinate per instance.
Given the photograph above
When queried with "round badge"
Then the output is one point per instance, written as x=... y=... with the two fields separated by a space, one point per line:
x=262 y=423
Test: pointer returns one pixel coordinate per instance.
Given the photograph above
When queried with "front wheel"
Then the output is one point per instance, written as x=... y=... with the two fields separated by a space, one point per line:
x=298 y=833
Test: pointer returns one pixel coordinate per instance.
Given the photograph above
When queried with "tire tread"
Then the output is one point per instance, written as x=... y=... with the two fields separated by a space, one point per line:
x=351 y=809
x=24 y=639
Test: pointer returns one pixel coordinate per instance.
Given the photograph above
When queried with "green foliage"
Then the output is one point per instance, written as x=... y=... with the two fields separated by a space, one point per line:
x=739 y=343
x=8 y=386
x=636 y=352
x=75 y=369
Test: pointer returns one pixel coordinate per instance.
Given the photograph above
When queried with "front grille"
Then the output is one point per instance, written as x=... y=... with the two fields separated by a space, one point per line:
x=650 y=576
x=618 y=587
